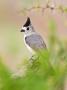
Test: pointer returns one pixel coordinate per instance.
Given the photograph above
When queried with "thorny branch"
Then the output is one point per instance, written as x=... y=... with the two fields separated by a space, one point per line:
x=52 y=7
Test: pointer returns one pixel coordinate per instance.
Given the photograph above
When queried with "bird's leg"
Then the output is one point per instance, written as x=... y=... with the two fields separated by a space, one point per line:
x=34 y=60
x=34 y=57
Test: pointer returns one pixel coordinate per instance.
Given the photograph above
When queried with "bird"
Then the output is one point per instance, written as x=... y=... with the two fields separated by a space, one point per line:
x=33 y=40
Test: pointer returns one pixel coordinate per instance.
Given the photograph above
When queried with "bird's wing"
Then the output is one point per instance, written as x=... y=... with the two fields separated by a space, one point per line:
x=35 y=41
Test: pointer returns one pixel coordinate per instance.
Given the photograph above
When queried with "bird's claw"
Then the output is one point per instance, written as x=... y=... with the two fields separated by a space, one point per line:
x=34 y=57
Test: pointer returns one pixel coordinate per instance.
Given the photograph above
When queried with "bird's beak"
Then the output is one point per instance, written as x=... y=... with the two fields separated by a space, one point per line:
x=22 y=30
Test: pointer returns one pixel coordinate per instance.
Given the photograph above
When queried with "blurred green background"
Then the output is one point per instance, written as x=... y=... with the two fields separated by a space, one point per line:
x=12 y=49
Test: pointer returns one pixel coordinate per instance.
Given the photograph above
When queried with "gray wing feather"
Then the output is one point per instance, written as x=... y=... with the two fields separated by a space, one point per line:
x=35 y=42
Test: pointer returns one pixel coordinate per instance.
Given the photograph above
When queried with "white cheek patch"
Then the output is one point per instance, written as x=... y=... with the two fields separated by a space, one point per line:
x=24 y=28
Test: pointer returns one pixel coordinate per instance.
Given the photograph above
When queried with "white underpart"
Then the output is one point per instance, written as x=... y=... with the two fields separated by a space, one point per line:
x=29 y=48
x=25 y=35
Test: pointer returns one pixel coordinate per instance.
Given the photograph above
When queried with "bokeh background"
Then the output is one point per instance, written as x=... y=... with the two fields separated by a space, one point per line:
x=13 y=16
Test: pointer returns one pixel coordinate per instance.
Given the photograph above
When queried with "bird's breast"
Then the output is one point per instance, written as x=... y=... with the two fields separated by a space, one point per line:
x=29 y=48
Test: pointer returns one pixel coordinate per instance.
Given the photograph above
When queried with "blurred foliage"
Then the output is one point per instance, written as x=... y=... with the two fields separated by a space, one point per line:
x=12 y=40
x=13 y=45
x=48 y=72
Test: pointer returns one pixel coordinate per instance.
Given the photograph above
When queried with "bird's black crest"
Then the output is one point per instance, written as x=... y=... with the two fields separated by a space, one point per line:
x=28 y=22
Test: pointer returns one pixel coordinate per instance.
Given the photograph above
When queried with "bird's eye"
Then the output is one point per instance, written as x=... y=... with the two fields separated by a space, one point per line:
x=27 y=28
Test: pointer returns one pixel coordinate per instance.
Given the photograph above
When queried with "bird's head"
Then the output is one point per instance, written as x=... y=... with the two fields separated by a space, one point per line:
x=27 y=27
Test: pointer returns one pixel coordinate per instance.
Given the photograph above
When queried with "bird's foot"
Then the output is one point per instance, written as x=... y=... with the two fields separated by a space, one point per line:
x=34 y=60
x=34 y=57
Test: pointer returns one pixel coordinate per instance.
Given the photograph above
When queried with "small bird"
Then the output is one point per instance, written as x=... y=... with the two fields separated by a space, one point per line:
x=32 y=39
